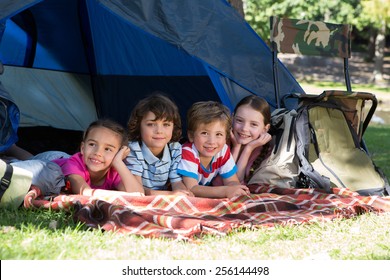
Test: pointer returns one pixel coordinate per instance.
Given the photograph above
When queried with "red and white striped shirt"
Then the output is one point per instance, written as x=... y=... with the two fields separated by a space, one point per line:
x=222 y=164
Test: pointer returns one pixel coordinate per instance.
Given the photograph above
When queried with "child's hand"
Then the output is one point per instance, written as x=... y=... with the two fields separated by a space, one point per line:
x=183 y=192
x=33 y=193
x=236 y=190
x=263 y=139
x=123 y=152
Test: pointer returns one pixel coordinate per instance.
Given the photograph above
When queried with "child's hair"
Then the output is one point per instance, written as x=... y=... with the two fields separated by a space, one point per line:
x=162 y=107
x=257 y=103
x=261 y=105
x=110 y=124
x=205 y=112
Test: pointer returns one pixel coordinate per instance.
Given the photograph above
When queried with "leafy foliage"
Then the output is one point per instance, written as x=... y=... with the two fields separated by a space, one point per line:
x=376 y=12
x=257 y=12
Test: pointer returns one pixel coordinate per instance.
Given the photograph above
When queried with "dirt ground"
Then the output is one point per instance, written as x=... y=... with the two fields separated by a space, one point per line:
x=331 y=69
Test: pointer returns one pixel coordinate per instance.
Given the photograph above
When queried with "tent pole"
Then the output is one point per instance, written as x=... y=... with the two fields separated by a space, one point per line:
x=276 y=77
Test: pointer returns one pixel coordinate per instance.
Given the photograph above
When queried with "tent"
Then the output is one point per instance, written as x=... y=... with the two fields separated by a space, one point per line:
x=68 y=62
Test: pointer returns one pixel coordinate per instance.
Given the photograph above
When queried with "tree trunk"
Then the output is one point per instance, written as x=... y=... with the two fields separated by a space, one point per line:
x=379 y=54
x=237 y=4
x=371 y=45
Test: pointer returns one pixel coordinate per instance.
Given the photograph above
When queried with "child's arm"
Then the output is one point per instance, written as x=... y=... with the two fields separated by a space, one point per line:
x=242 y=162
x=231 y=188
x=16 y=152
x=243 y=159
x=129 y=182
x=79 y=185
x=235 y=146
x=163 y=192
x=240 y=157
x=180 y=188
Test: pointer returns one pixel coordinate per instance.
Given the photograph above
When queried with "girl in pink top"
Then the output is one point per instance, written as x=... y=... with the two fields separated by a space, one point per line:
x=250 y=140
x=99 y=165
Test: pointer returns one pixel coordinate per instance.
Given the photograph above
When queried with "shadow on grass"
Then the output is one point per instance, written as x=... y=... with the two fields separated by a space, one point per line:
x=39 y=219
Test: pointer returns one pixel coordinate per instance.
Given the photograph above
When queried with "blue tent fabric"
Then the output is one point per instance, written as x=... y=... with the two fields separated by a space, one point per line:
x=9 y=112
x=84 y=59
x=9 y=120
x=213 y=33
x=10 y=8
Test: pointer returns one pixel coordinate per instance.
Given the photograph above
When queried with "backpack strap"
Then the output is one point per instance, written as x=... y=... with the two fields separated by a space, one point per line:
x=308 y=177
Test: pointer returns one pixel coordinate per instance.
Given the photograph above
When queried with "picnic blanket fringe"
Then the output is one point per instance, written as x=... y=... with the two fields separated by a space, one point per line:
x=184 y=218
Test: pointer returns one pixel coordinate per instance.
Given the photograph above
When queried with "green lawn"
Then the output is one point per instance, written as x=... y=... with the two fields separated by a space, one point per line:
x=377 y=139
x=34 y=235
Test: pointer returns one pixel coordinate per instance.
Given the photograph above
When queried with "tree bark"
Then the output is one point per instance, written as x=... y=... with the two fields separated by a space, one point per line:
x=238 y=5
x=371 y=45
x=379 y=54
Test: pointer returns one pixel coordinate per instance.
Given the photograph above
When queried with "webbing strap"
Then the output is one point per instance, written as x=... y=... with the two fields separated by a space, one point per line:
x=5 y=181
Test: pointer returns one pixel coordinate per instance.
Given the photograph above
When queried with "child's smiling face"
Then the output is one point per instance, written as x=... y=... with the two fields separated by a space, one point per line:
x=209 y=139
x=155 y=133
x=248 y=124
x=99 y=149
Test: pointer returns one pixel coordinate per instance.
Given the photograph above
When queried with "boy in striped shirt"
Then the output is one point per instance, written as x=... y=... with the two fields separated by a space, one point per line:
x=207 y=155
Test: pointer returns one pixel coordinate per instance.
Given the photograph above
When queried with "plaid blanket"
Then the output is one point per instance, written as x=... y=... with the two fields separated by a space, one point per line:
x=181 y=217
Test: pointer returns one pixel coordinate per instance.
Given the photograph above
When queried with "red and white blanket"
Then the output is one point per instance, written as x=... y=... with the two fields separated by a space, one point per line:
x=181 y=217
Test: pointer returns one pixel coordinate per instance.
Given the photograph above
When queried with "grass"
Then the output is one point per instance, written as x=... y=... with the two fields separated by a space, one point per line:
x=362 y=238
x=377 y=140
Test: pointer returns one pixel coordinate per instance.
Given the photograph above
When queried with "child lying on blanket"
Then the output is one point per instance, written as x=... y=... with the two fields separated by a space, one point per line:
x=250 y=141
x=99 y=165
x=207 y=155
x=47 y=177
x=154 y=129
